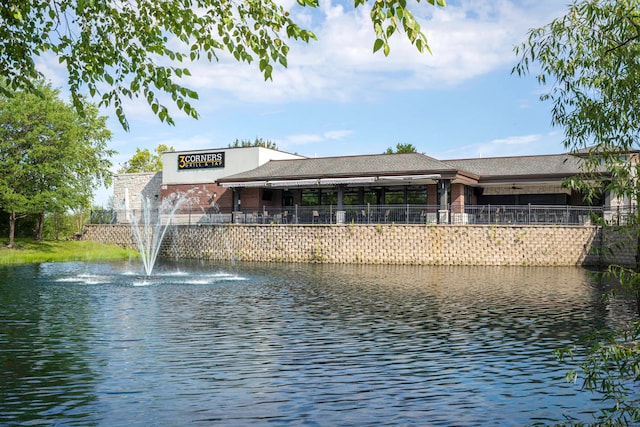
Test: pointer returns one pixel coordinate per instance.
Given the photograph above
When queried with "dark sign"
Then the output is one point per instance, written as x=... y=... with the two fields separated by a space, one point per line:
x=201 y=160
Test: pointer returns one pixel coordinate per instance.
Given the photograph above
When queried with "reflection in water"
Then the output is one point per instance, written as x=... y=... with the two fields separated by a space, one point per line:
x=85 y=344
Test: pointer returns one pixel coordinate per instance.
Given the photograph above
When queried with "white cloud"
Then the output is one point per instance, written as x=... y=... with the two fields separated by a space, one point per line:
x=467 y=40
x=516 y=140
x=302 y=139
x=49 y=65
x=291 y=141
x=338 y=134
x=516 y=145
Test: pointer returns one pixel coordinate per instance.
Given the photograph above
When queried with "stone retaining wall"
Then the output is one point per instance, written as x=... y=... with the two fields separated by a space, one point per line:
x=388 y=244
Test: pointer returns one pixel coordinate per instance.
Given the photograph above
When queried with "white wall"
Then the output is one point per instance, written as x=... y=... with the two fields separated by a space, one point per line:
x=236 y=160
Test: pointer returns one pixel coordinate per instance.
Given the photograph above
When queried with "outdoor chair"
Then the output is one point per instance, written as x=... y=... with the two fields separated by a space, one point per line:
x=315 y=216
x=507 y=217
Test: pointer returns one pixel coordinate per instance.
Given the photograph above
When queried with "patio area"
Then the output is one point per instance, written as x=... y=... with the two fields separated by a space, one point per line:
x=391 y=214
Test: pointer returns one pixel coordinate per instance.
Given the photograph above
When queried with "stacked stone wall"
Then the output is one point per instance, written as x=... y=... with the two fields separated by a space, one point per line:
x=390 y=244
x=145 y=183
x=114 y=234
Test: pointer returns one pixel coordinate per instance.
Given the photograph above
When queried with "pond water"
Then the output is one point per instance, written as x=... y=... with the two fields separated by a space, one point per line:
x=281 y=344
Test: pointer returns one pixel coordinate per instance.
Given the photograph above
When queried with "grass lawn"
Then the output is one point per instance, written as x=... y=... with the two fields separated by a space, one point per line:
x=30 y=251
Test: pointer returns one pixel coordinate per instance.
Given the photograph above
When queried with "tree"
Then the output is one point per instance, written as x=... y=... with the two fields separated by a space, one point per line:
x=51 y=158
x=145 y=161
x=118 y=50
x=590 y=59
x=402 y=148
x=258 y=142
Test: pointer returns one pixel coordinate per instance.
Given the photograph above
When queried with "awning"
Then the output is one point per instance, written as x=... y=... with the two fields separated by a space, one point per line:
x=407 y=177
x=293 y=183
x=285 y=183
x=245 y=184
x=350 y=180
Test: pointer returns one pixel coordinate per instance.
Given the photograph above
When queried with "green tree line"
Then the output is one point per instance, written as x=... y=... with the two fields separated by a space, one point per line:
x=51 y=157
x=588 y=62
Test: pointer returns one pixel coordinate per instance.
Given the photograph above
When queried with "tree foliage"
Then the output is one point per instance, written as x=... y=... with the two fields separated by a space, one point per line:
x=145 y=160
x=613 y=368
x=589 y=62
x=258 y=142
x=123 y=50
x=401 y=148
x=51 y=158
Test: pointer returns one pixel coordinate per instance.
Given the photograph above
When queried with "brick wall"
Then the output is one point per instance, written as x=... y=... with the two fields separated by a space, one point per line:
x=388 y=244
x=457 y=198
x=200 y=195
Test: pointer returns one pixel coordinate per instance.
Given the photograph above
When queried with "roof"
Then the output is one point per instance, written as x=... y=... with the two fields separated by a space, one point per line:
x=526 y=166
x=365 y=165
x=497 y=169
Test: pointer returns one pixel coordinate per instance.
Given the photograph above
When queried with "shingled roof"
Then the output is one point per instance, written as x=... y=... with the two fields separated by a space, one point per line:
x=520 y=166
x=327 y=167
x=490 y=169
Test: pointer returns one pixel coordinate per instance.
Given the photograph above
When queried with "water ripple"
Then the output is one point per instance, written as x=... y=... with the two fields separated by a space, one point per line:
x=85 y=344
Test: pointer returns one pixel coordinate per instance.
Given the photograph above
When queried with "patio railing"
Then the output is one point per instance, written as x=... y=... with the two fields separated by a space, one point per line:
x=388 y=214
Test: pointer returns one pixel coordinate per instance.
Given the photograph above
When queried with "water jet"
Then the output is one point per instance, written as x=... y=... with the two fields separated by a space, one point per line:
x=153 y=225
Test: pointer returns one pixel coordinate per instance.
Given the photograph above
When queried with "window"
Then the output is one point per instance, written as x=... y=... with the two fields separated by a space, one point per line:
x=394 y=197
x=350 y=197
x=417 y=196
x=468 y=195
x=310 y=198
x=370 y=197
x=328 y=197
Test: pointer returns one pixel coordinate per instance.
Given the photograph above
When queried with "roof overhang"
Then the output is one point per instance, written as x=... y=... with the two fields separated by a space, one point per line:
x=540 y=188
x=293 y=183
x=348 y=180
x=407 y=177
x=244 y=184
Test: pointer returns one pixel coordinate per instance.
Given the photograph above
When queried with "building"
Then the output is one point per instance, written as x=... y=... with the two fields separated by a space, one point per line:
x=257 y=184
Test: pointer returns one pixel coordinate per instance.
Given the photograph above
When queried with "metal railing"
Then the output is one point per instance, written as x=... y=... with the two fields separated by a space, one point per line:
x=387 y=214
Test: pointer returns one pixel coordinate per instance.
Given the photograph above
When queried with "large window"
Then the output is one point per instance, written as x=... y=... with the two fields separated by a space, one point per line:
x=394 y=197
x=350 y=197
x=410 y=195
x=328 y=197
x=468 y=195
x=370 y=197
x=417 y=196
x=310 y=197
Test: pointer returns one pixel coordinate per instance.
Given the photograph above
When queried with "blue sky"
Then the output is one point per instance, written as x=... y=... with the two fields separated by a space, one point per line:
x=338 y=98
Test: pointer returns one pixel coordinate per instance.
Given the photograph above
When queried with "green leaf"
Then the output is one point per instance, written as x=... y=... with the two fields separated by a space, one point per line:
x=119 y=44
x=377 y=45
x=267 y=72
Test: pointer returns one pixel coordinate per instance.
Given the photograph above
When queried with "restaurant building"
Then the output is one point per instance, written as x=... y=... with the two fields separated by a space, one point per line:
x=257 y=184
